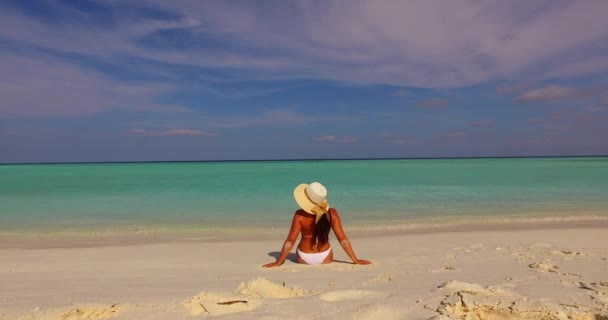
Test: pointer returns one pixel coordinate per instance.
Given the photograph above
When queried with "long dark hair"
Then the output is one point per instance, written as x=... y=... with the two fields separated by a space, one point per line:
x=322 y=229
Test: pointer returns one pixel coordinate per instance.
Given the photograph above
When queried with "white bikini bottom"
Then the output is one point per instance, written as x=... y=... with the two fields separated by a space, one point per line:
x=313 y=258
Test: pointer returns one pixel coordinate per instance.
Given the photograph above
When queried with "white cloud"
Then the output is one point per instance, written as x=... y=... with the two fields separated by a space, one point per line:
x=595 y=65
x=404 y=43
x=327 y=137
x=555 y=93
x=172 y=132
x=188 y=132
x=46 y=86
x=334 y=138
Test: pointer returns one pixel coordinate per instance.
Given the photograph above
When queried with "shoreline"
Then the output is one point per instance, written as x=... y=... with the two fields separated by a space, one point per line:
x=85 y=238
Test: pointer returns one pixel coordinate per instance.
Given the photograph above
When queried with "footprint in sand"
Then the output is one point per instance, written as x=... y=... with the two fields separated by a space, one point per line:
x=382 y=278
x=207 y=303
x=599 y=291
x=543 y=267
x=548 y=267
x=350 y=294
x=566 y=253
x=85 y=313
x=443 y=269
x=346 y=268
x=459 y=300
x=523 y=258
x=262 y=288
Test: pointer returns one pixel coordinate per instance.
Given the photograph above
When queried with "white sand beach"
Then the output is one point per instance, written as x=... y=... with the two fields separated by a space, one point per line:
x=552 y=273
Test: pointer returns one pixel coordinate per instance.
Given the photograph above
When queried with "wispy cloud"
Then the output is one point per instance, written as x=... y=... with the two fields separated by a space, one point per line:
x=556 y=115
x=453 y=135
x=432 y=103
x=273 y=117
x=537 y=120
x=594 y=118
x=267 y=118
x=406 y=141
x=593 y=65
x=555 y=93
x=47 y=86
x=400 y=93
x=483 y=123
x=172 y=133
x=539 y=141
x=399 y=139
x=513 y=89
x=189 y=132
x=334 y=138
x=565 y=118
x=475 y=41
x=555 y=130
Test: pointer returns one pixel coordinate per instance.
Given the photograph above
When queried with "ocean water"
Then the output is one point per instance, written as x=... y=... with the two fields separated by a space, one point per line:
x=215 y=195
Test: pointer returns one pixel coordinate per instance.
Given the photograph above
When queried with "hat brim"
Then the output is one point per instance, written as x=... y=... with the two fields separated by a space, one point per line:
x=299 y=193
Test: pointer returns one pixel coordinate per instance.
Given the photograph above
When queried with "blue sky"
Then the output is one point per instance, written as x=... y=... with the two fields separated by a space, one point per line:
x=151 y=80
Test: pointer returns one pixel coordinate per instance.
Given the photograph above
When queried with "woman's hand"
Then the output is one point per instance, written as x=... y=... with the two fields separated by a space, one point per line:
x=272 y=264
x=362 y=262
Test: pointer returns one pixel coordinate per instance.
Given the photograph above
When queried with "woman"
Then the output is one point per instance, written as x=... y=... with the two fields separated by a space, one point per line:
x=314 y=220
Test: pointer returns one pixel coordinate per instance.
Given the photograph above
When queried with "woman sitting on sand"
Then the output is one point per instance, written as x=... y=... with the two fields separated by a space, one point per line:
x=314 y=220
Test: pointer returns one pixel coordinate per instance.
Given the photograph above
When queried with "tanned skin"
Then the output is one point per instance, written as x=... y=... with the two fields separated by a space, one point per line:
x=304 y=223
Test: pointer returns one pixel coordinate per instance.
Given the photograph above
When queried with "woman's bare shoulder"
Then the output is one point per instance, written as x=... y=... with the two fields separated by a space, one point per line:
x=333 y=211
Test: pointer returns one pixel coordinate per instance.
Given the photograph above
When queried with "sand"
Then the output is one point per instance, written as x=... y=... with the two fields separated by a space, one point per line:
x=506 y=274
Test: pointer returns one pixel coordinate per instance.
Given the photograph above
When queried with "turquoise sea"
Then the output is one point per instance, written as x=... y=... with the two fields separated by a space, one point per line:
x=258 y=194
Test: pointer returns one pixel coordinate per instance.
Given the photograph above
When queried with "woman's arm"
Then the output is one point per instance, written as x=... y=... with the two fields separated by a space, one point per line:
x=289 y=242
x=336 y=226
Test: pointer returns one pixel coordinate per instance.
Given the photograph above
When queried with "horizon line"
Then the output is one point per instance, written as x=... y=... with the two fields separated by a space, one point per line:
x=295 y=160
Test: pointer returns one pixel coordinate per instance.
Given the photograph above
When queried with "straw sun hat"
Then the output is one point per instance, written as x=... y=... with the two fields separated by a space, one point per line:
x=312 y=199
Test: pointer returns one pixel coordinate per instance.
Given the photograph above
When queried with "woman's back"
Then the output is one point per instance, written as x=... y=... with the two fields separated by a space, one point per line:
x=309 y=241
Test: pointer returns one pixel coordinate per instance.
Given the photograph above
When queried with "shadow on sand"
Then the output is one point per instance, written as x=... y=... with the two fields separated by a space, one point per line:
x=293 y=258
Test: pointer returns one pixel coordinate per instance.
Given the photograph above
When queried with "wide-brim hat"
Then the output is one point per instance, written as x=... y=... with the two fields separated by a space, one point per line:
x=312 y=198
